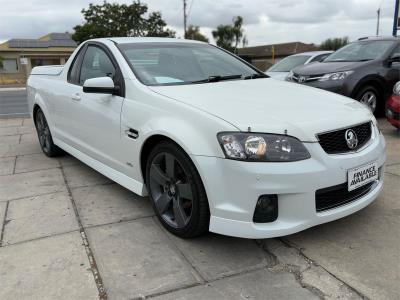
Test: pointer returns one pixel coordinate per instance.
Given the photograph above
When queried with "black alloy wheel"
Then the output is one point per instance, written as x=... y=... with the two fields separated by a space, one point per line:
x=44 y=135
x=176 y=191
x=370 y=97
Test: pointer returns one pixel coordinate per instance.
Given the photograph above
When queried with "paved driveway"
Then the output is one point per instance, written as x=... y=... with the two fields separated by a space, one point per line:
x=68 y=232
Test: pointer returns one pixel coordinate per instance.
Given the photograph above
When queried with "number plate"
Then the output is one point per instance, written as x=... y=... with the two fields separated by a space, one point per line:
x=362 y=175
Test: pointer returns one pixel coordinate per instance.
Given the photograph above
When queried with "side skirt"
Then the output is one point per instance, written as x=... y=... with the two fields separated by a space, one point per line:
x=120 y=178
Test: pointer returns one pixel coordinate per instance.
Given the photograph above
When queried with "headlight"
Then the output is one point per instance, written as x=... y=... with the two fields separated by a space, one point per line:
x=336 y=76
x=262 y=147
x=396 y=89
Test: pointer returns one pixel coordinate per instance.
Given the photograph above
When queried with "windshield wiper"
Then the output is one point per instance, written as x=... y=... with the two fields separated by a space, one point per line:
x=255 y=76
x=366 y=59
x=216 y=78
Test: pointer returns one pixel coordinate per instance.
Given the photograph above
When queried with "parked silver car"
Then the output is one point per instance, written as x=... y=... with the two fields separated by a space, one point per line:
x=281 y=69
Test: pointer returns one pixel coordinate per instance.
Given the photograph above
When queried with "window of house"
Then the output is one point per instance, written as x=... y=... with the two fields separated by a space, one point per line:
x=9 y=65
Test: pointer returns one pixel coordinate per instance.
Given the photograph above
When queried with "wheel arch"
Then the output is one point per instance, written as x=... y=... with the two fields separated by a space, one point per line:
x=374 y=81
x=149 y=144
x=35 y=109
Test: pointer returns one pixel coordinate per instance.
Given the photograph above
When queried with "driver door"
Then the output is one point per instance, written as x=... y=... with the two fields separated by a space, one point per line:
x=96 y=117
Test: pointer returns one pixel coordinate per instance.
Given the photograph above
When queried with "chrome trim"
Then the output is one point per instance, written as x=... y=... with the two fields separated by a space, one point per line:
x=342 y=128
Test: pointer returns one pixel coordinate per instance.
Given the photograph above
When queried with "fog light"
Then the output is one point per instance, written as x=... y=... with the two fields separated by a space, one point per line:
x=266 y=209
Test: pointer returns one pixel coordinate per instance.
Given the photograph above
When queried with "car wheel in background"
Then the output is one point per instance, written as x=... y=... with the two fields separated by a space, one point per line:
x=370 y=97
x=44 y=135
x=176 y=191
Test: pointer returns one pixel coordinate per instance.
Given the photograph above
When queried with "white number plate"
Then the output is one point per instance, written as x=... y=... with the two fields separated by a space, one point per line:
x=362 y=175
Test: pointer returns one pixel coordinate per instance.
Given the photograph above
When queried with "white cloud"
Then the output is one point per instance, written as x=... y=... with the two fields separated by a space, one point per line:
x=266 y=21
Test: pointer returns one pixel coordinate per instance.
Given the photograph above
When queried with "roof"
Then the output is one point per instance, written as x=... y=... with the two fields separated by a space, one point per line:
x=379 y=38
x=313 y=53
x=128 y=40
x=283 y=49
x=47 y=41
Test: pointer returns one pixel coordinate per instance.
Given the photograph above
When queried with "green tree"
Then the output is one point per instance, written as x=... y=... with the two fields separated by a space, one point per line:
x=230 y=36
x=193 y=33
x=1 y=62
x=113 y=19
x=334 y=43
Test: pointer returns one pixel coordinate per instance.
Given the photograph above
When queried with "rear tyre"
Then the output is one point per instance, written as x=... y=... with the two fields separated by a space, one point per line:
x=176 y=191
x=371 y=98
x=44 y=135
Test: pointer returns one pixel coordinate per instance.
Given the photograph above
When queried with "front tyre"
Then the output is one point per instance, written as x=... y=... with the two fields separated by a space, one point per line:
x=370 y=97
x=44 y=135
x=176 y=191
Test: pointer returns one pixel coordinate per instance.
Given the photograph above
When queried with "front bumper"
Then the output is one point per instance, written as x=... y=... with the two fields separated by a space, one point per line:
x=393 y=110
x=334 y=86
x=233 y=188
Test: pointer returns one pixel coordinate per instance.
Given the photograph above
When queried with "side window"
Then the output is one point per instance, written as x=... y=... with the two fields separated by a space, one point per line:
x=319 y=58
x=73 y=76
x=96 y=63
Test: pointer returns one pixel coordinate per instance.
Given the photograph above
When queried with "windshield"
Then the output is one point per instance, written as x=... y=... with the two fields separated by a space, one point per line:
x=181 y=63
x=289 y=63
x=361 y=51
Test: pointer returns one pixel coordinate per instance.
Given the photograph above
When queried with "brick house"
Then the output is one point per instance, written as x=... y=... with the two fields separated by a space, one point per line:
x=265 y=56
x=19 y=56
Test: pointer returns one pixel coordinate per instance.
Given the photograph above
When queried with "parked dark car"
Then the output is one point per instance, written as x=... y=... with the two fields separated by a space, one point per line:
x=365 y=70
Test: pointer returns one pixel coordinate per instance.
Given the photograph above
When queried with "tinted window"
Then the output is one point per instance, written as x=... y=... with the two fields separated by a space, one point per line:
x=361 y=51
x=289 y=63
x=73 y=76
x=95 y=64
x=320 y=57
x=178 y=63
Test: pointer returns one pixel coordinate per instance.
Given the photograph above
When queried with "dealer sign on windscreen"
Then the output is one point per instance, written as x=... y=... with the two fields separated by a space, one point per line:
x=362 y=175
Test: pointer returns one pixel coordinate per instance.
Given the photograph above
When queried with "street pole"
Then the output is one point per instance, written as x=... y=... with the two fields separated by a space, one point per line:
x=184 y=18
x=377 y=24
x=396 y=17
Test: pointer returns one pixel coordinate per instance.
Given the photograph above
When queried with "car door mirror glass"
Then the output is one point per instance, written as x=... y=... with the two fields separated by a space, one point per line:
x=99 y=85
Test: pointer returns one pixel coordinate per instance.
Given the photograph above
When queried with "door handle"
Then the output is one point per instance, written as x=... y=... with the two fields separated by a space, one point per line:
x=76 y=97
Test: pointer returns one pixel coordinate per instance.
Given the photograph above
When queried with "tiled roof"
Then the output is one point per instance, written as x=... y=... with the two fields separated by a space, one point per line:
x=51 y=40
x=280 y=49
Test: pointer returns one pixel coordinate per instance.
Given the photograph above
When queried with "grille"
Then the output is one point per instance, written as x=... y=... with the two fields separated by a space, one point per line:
x=338 y=195
x=335 y=142
x=305 y=78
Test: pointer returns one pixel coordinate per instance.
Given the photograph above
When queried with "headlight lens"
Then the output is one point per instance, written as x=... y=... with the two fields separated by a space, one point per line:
x=336 y=76
x=396 y=89
x=262 y=147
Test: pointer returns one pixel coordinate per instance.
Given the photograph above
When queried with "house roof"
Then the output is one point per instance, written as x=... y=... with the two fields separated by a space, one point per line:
x=48 y=41
x=284 y=49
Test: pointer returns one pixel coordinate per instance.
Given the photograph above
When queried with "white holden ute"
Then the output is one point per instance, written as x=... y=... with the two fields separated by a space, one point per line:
x=215 y=144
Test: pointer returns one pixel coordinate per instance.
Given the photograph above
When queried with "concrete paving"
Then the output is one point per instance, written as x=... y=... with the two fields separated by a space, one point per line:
x=28 y=218
x=53 y=268
x=105 y=204
x=67 y=232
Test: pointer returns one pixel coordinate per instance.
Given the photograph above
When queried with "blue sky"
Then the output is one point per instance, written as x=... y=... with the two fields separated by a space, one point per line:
x=266 y=21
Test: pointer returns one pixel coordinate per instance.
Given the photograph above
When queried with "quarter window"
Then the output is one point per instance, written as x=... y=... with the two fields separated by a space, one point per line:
x=96 y=63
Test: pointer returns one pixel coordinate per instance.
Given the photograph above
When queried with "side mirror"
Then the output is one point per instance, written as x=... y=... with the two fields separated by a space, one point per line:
x=395 y=58
x=100 y=85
